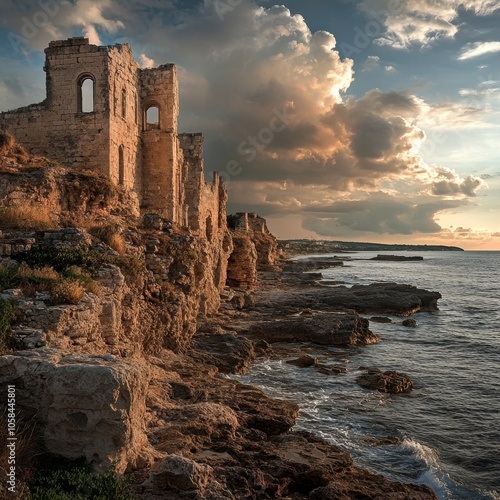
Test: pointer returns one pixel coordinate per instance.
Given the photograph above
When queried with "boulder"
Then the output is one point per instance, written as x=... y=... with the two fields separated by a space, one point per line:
x=410 y=323
x=389 y=381
x=90 y=406
x=228 y=352
x=179 y=474
x=304 y=361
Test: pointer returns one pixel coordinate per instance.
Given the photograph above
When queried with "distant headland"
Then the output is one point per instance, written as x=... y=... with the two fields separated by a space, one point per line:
x=326 y=246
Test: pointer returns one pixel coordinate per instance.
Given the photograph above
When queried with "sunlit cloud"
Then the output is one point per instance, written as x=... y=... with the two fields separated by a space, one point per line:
x=146 y=62
x=478 y=49
x=371 y=63
x=421 y=22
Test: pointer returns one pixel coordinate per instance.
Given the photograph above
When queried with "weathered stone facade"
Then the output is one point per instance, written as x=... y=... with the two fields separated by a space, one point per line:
x=104 y=113
x=250 y=223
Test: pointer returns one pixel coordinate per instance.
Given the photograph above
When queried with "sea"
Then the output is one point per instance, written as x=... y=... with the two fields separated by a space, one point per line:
x=446 y=432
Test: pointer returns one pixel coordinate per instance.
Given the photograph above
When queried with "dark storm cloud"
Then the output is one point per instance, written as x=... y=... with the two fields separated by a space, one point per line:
x=378 y=214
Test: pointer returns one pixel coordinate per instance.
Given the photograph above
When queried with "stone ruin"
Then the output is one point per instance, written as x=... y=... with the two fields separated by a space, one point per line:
x=104 y=113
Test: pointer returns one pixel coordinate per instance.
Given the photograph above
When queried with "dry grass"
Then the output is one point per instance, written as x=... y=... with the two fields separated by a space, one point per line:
x=6 y=143
x=111 y=235
x=45 y=273
x=117 y=243
x=20 y=154
x=26 y=217
x=67 y=292
x=9 y=147
x=28 y=450
x=94 y=287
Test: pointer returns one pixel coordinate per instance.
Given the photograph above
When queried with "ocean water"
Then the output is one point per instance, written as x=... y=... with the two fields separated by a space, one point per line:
x=446 y=432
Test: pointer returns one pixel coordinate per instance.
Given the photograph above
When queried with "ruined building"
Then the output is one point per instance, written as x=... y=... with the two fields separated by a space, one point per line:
x=103 y=112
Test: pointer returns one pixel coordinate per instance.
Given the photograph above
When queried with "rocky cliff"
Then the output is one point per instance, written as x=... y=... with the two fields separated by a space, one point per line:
x=255 y=249
x=99 y=308
x=96 y=289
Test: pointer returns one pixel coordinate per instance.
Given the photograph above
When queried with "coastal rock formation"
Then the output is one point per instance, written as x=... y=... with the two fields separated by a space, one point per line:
x=389 y=381
x=91 y=406
x=379 y=298
x=44 y=184
x=243 y=438
x=242 y=264
x=330 y=328
x=305 y=361
x=229 y=352
x=398 y=258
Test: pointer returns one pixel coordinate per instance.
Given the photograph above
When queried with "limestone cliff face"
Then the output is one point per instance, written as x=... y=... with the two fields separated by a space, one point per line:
x=81 y=368
x=177 y=278
x=60 y=190
x=242 y=265
x=255 y=249
x=85 y=406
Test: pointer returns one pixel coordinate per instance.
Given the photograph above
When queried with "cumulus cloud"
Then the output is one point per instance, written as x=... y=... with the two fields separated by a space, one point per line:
x=448 y=183
x=478 y=49
x=146 y=62
x=421 y=22
x=371 y=63
x=270 y=97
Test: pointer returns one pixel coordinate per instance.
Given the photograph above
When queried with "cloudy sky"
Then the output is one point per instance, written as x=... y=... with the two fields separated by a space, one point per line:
x=362 y=120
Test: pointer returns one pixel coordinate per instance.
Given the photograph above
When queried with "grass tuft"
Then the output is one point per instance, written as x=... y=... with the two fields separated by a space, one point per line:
x=26 y=217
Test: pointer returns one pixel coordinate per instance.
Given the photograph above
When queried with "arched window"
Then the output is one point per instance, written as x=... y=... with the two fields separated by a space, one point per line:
x=152 y=117
x=86 y=89
x=124 y=103
x=121 y=167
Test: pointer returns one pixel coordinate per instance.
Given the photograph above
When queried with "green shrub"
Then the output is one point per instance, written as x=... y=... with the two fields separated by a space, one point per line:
x=7 y=316
x=62 y=258
x=79 y=265
x=8 y=277
x=78 y=482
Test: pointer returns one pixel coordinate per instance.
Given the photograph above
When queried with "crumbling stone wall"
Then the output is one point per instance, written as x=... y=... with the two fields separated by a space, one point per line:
x=114 y=137
x=205 y=201
x=251 y=223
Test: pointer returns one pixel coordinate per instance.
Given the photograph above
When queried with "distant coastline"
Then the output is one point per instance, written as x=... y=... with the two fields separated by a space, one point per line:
x=305 y=246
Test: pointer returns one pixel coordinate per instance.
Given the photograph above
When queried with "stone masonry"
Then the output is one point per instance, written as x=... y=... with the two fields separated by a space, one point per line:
x=104 y=113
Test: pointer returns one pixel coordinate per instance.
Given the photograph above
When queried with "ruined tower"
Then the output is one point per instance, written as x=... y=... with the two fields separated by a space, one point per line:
x=104 y=113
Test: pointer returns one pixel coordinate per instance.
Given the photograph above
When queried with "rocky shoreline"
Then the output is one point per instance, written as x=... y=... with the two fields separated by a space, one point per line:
x=118 y=332
x=249 y=447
